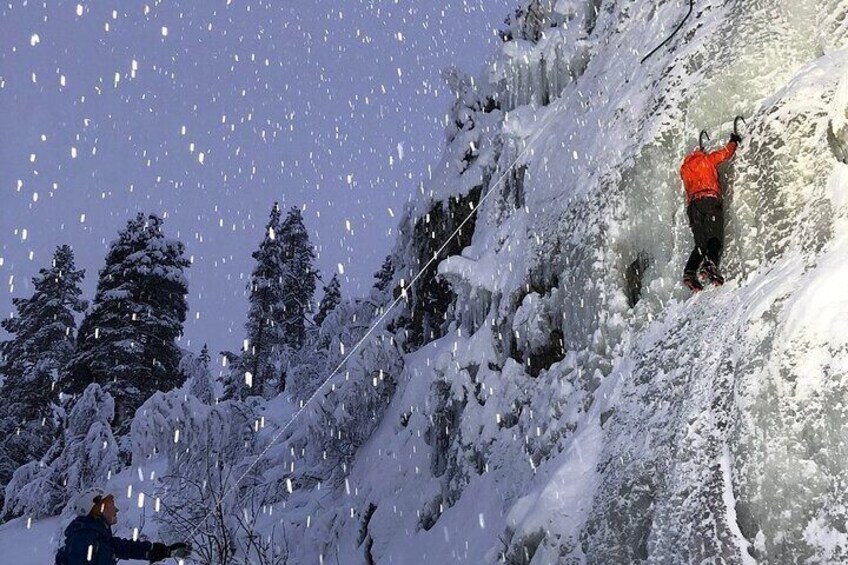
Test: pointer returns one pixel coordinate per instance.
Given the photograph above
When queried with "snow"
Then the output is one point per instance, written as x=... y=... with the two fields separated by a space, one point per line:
x=819 y=310
x=32 y=545
x=730 y=508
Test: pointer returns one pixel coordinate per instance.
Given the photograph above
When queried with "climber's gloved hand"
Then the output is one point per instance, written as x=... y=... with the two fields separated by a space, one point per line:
x=158 y=552
x=180 y=550
x=736 y=138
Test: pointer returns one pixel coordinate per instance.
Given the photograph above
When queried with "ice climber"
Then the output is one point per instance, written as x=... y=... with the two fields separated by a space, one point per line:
x=89 y=539
x=705 y=211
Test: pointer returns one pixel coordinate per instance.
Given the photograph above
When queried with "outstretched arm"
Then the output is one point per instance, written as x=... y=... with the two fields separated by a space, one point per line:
x=723 y=154
x=129 y=549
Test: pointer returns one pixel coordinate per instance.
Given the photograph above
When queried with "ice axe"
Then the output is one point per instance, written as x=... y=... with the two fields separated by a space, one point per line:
x=736 y=124
x=705 y=136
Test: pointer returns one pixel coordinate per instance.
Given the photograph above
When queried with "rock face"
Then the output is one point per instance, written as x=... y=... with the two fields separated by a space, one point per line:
x=560 y=405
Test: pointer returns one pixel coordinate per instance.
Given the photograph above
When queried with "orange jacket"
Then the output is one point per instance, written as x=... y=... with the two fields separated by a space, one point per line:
x=700 y=175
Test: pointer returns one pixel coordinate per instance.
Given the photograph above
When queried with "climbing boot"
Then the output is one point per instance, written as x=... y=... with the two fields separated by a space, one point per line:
x=692 y=283
x=712 y=273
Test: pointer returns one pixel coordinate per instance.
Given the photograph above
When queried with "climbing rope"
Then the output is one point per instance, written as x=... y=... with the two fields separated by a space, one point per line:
x=373 y=326
x=667 y=39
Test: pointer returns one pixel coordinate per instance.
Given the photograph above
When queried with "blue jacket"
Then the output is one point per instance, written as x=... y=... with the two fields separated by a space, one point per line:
x=84 y=532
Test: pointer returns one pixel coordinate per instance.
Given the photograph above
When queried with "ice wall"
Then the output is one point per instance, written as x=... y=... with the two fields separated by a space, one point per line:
x=551 y=422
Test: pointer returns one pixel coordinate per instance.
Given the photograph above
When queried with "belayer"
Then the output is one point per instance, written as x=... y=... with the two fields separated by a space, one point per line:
x=89 y=539
x=705 y=210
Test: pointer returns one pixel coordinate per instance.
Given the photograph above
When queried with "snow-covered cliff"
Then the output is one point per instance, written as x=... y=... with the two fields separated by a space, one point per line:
x=550 y=422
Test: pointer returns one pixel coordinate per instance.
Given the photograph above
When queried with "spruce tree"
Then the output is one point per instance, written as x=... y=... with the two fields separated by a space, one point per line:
x=196 y=370
x=127 y=342
x=282 y=285
x=332 y=297
x=299 y=280
x=235 y=387
x=383 y=277
x=266 y=312
x=42 y=343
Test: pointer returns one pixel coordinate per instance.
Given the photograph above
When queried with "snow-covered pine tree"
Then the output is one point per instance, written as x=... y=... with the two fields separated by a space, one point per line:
x=127 y=342
x=43 y=341
x=343 y=326
x=233 y=379
x=281 y=288
x=332 y=297
x=86 y=455
x=307 y=369
x=265 y=325
x=307 y=366
x=299 y=281
x=199 y=376
x=383 y=277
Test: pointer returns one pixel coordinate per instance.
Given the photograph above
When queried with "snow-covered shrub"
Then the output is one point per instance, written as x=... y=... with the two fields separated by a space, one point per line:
x=473 y=99
x=207 y=495
x=239 y=375
x=349 y=408
x=175 y=424
x=219 y=509
x=327 y=346
x=308 y=368
x=530 y=21
x=87 y=455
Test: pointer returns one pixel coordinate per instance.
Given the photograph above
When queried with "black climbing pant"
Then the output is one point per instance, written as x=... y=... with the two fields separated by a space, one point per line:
x=706 y=218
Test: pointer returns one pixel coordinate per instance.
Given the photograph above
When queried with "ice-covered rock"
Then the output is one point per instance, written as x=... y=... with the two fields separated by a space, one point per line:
x=591 y=427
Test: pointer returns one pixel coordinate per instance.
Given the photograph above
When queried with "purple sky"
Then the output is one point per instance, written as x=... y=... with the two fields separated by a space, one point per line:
x=207 y=112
